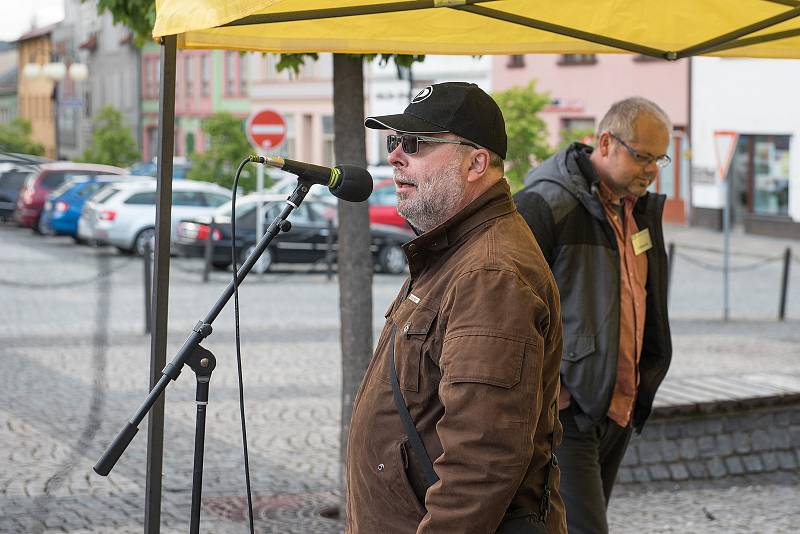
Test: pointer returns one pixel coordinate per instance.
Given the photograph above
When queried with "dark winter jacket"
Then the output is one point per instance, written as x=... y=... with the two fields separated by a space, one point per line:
x=562 y=206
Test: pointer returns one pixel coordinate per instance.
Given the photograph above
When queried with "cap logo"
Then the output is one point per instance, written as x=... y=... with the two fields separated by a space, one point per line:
x=422 y=95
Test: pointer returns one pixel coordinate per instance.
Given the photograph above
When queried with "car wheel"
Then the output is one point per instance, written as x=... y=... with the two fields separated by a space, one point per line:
x=40 y=227
x=392 y=259
x=148 y=234
x=78 y=240
x=264 y=262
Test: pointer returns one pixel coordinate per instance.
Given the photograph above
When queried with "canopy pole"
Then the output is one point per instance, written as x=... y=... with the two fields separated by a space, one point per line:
x=564 y=30
x=702 y=48
x=158 y=339
x=349 y=11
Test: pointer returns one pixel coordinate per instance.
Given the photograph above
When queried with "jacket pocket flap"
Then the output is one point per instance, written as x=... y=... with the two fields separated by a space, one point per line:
x=483 y=359
x=418 y=322
x=578 y=348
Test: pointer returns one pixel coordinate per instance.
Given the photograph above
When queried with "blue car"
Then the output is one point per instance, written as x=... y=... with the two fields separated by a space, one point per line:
x=63 y=207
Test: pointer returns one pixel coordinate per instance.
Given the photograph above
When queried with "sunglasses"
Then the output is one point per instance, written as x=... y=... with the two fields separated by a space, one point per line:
x=410 y=143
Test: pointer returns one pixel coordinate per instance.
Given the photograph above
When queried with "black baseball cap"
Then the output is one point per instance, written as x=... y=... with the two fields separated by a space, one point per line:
x=457 y=107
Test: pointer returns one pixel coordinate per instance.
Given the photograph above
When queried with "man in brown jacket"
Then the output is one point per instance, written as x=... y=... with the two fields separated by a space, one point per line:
x=472 y=342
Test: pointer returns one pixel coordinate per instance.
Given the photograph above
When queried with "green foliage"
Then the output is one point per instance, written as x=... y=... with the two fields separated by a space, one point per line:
x=138 y=15
x=112 y=140
x=570 y=135
x=227 y=147
x=527 y=133
x=16 y=137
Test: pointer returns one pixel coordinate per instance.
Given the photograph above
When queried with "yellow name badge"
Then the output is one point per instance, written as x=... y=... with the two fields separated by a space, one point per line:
x=641 y=241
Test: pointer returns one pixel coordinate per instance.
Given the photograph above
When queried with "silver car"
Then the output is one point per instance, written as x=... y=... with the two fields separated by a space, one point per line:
x=124 y=214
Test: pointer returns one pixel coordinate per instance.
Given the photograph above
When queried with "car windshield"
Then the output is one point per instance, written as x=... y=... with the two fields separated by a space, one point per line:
x=66 y=186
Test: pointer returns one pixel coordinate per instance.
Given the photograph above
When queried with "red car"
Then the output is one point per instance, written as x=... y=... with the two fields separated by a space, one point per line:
x=34 y=192
x=383 y=205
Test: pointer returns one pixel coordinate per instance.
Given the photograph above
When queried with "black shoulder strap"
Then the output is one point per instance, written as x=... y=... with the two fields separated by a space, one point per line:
x=411 y=430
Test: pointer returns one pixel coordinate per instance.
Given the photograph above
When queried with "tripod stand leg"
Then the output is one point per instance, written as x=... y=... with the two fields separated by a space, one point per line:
x=199 y=445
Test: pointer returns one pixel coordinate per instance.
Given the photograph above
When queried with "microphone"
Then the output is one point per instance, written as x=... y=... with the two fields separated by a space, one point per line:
x=347 y=182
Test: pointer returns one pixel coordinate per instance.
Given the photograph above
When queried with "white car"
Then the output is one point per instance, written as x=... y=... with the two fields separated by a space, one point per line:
x=124 y=215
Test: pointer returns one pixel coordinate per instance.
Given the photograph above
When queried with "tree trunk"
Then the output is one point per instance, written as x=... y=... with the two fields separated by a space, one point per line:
x=355 y=265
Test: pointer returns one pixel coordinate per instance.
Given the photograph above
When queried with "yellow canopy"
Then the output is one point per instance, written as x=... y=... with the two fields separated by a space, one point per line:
x=670 y=29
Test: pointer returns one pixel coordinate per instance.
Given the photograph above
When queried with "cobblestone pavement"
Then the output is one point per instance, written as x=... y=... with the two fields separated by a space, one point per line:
x=75 y=366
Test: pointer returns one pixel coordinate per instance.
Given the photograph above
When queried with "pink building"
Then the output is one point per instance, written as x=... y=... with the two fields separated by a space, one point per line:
x=583 y=86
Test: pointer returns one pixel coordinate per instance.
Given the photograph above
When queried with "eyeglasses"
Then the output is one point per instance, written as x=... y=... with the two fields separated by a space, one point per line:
x=410 y=143
x=661 y=161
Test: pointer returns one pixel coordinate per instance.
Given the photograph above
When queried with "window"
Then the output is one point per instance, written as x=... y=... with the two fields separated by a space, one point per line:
x=90 y=189
x=770 y=174
x=577 y=59
x=230 y=72
x=187 y=76
x=188 y=198
x=205 y=74
x=105 y=194
x=242 y=75
x=142 y=199
x=328 y=151
x=215 y=199
x=51 y=180
x=578 y=129
x=516 y=61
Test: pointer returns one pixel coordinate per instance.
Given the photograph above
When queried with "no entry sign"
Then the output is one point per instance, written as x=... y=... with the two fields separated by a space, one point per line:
x=265 y=129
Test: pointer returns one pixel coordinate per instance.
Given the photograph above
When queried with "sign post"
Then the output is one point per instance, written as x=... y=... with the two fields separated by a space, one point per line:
x=266 y=130
x=725 y=147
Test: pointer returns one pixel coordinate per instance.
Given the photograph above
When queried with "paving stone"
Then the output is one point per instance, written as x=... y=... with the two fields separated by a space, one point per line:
x=705 y=444
x=724 y=444
x=678 y=472
x=713 y=426
x=717 y=467
x=787 y=460
x=649 y=453
x=693 y=428
x=624 y=475
x=659 y=472
x=631 y=457
x=782 y=419
x=641 y=474
x=672 y=430
x=752 y=463
x=770 y=461
x=669 y=451
x=734 y=465
x=688 y=448
x=697 y=469
x=741 y=442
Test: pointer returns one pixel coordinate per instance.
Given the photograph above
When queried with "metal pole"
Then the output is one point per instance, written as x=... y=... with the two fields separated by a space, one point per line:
x=208 y=253
x=726 y=229
x=147 y=257
x=787 y=260
x=158 y=340
x=329 y=250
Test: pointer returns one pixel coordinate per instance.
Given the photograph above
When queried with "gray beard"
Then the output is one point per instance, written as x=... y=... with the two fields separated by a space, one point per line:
x=438 y=198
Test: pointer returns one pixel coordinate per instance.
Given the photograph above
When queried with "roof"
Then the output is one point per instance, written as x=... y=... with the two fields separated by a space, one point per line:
x=38 y=32
x=177 y=185
x=72 y=166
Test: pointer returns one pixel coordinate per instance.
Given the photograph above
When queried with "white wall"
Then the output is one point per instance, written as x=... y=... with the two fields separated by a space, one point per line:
x=748 y=96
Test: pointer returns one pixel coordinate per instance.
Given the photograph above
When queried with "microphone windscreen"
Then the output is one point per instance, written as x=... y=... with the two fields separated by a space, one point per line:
x=354 y=185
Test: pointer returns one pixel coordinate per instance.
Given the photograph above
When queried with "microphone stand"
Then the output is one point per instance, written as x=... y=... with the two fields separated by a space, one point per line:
x=202 y=363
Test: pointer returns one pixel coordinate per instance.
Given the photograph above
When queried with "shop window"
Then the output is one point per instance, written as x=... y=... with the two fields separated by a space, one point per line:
x=516 y=61
x=577 y=59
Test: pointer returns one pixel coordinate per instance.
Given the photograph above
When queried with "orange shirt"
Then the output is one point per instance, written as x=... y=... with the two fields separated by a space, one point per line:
x=633 y=296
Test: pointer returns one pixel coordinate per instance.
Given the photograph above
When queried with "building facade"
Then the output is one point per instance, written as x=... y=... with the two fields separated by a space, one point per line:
x=747 y=109
x=9 y=73
x=583 y=86
x=35 y=92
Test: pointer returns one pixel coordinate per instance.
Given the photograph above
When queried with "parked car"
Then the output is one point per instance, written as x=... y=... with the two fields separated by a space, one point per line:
x=34 y=192
x=305 y=242
x=63 y=207
x=383 y=205
x=124 y=214
x=180 y=168
x=12 y=178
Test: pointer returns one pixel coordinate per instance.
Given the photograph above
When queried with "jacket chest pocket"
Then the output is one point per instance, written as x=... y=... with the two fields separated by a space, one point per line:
x=412 y=324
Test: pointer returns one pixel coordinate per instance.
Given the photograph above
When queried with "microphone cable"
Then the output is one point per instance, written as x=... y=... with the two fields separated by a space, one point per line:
x=238 y=338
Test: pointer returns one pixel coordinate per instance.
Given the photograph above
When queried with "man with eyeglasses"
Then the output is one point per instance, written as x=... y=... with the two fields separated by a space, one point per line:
x=601 y=233
x=455 y=422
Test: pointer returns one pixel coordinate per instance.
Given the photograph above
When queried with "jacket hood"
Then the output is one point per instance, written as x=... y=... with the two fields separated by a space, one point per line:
x=563 y=170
